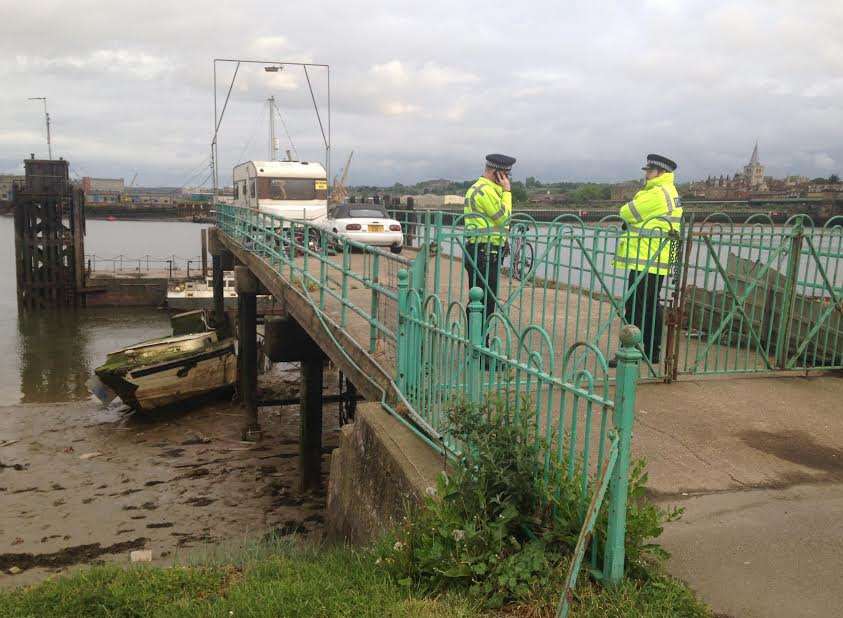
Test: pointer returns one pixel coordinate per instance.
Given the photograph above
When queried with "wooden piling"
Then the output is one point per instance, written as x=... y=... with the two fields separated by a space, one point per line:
x=49 y=253
x=204 y=253
x=218 y=275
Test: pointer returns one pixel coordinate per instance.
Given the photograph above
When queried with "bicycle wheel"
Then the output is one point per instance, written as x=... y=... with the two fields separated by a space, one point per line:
x=523 y=262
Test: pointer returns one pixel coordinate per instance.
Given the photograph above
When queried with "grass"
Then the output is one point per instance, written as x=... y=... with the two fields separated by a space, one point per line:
x=283 y=578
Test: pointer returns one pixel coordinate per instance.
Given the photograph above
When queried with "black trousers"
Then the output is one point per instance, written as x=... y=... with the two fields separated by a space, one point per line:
x=482 y=264
x=645 y=311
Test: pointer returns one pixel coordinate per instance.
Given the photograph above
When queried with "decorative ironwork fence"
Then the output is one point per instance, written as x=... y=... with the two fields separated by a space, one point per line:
x=750 y=297
x=410 y=314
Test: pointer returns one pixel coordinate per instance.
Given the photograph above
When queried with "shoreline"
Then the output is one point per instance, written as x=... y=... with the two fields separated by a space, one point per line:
x=82 y=483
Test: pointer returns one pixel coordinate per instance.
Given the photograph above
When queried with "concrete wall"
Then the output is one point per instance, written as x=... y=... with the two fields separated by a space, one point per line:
x=124 y=292
x=379 y=470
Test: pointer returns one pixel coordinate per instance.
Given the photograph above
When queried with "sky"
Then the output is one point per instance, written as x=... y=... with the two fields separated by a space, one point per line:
x=574 y=90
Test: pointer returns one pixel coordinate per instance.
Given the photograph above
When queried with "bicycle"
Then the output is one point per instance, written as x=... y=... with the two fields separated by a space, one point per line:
x=521 y=252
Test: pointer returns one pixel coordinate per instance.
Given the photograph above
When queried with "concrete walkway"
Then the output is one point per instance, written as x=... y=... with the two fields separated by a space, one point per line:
x=757 y=463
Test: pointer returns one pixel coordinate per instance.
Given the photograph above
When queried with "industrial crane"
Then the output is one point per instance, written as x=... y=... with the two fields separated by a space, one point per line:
x=339 y=193
x=125 y=197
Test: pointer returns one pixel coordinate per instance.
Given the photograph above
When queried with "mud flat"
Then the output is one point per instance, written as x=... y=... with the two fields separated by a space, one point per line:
x=81 y=484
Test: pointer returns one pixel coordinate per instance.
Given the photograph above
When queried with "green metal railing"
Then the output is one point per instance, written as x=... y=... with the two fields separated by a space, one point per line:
x=409 y=314
x=759 y=297
x=749 y=297
x=559 y=275
x=754 y=297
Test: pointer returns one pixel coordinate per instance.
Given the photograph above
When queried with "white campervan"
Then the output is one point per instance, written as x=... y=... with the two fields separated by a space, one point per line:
x=290 y=189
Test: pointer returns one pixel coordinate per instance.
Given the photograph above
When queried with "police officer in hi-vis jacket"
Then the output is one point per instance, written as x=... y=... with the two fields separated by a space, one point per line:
x=649 y=218
x=488 y=208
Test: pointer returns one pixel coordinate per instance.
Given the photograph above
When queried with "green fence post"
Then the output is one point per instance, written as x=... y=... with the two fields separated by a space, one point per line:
x=373 y=308
x=346 y=268
x=323 y=269
x=403 y=309
x=627 y=377
x=789 y=295
x=419 y=270
x=475 y=342
x=436 y=247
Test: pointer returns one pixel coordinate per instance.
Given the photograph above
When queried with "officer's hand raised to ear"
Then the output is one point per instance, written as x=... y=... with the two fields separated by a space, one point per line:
x=503 y=180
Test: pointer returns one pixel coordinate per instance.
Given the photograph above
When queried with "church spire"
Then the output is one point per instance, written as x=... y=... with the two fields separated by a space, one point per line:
x=753 y=160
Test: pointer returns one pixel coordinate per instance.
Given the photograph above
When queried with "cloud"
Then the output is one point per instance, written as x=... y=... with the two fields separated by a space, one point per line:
x=124 y=63
x=824 y=161
x=424 y=90
x=436 y=76
x=266 y=46
x=397 y=108
x=392 y=72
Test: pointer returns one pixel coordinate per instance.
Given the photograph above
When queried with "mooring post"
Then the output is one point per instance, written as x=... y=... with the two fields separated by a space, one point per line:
x=247 y=349
x=310 y=440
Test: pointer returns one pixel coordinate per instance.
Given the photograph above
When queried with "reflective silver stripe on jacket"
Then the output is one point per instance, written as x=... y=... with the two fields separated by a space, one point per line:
x=471 y=198
x=634 y=210
x=500 y=213
x=640 y=262
x=668 y=199
x=650 y=233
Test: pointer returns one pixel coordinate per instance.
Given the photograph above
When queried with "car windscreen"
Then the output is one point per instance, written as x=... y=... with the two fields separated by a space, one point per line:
x=367 y=213
x=292 y=188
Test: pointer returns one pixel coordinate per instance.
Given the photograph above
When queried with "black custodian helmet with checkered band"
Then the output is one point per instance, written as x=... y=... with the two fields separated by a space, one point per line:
x=500 y=162
x=658 y=162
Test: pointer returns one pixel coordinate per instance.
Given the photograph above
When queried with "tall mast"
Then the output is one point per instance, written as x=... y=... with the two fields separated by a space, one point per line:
x=273 y=141
x=47 y=118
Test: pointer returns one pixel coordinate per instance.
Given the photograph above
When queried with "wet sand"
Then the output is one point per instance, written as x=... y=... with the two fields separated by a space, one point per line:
x=80 y=483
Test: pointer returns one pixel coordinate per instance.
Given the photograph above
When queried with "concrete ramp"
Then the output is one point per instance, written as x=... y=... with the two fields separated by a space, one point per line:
x=757 y=464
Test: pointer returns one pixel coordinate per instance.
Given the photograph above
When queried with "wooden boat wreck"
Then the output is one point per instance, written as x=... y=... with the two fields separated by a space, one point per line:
x=193 y=363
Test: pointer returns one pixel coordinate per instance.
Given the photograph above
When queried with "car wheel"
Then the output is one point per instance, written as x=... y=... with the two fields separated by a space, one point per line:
x=396 y=249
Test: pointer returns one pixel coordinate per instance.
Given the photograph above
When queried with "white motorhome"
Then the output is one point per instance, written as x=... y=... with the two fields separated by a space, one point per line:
x=291 y=189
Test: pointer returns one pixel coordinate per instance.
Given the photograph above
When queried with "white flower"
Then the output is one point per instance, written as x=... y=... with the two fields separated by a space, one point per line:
x=430 y=491
x=458 y=535
x=398 y=546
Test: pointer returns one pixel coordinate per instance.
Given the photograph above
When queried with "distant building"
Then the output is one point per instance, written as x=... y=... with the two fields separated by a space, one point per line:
x=153 y=195
x=103 y=190
x=745 y=184
x=753 y=172
x=103 y=185
x=428 y=200
x=7 y=181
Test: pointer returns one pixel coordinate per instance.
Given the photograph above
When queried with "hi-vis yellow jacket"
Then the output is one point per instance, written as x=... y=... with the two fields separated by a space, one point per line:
x=487 y=209
x=654 y=212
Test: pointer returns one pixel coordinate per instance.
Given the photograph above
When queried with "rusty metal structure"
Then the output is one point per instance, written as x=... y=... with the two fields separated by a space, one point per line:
x=49 y=236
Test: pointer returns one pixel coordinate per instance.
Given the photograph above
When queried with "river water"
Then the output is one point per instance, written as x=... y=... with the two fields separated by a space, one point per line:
x=47 y=357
